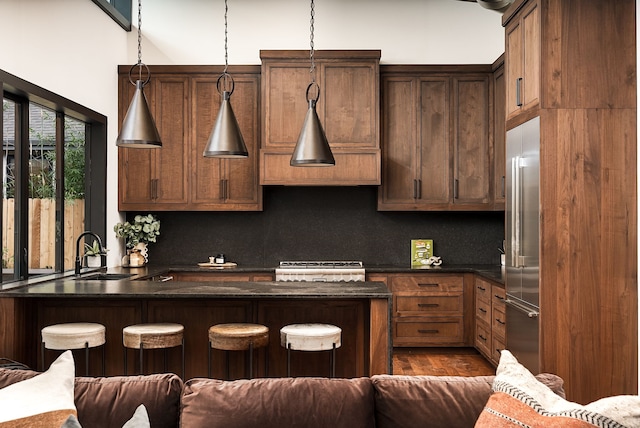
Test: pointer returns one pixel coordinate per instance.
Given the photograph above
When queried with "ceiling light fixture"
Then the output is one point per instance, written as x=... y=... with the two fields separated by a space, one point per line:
x=138 y=128
x=312 y=148
x=226 y=140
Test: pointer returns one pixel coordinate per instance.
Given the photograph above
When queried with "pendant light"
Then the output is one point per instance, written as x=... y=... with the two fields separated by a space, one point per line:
x=312 y=148
x=226 y=140
x=138 y=128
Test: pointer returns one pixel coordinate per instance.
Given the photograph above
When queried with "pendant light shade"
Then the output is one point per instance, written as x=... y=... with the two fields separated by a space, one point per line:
x=138 y=128
x=226 y=139
x=312 y=148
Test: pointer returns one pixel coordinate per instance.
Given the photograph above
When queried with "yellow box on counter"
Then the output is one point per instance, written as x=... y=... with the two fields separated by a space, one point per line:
x=421 y=251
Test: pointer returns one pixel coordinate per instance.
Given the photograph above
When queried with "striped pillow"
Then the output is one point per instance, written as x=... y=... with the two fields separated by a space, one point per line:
x=520 y=400
x=45 y=400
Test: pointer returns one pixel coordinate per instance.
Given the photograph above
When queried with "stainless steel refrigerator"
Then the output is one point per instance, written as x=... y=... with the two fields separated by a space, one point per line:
x=522 y=243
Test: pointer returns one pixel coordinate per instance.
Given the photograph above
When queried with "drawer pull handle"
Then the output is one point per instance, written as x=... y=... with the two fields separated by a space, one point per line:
x=481 y=288
x=429 y=331
x=428 y=284
x=482 y=337
x=497 y=296
x=500 y=321
x=483 y=310
x=428 y=305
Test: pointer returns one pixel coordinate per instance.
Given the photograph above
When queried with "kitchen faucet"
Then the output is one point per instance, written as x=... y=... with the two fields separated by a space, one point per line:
x=78 y=262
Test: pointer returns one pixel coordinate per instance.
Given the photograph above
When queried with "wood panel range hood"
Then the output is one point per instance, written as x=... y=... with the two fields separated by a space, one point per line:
x=348 y=108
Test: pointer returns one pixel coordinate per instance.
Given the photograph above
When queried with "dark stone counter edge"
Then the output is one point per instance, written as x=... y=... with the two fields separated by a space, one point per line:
x=42 y=285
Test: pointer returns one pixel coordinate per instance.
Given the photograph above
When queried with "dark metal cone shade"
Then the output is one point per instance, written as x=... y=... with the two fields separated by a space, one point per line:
x=138 y=128
x=226 y=140
x=312 y=148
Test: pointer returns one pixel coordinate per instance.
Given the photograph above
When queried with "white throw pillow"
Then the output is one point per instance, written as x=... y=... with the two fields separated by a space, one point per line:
x=44 y=400
x=519 y=399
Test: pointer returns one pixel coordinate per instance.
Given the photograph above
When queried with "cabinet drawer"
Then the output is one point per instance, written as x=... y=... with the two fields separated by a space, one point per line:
x=483 y=338
x=483 y=311
x=427 y=283
x=483 y=290
x=497 y=296
x=498 y=322
x=428 y=304
x=497 y=345
x=428 y=331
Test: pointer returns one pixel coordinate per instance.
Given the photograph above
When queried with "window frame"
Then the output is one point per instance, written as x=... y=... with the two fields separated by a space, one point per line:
x=120 y=12
x=22 y=93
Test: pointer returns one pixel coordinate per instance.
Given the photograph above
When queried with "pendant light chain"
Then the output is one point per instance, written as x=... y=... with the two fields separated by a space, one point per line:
x=140 y=39
x=311 y=50
x=226 y=53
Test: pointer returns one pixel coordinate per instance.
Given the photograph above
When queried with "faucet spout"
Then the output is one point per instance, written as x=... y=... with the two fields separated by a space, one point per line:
x=78 y=259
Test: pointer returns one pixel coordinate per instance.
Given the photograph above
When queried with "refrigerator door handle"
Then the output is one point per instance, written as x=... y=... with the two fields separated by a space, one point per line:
x=515 y=211
x=520 y=307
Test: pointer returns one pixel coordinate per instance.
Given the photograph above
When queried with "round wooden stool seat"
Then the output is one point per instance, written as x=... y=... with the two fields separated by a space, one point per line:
x=238 y=336
x=153 y=336
x=310 y=337
x=73 y=335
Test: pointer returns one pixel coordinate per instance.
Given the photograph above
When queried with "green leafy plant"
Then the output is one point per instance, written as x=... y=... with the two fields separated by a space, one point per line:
x=94 y=249
x=145 y=228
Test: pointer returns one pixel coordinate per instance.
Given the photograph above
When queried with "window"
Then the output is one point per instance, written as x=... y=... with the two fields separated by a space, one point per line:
x=118 y=10
x=54 y=179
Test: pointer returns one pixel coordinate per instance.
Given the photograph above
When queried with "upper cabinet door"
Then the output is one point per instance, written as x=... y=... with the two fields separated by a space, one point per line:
x=347 y=107
x=523 y=62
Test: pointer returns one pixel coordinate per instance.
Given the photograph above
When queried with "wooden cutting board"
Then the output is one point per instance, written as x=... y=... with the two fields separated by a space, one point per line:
x=218 y=265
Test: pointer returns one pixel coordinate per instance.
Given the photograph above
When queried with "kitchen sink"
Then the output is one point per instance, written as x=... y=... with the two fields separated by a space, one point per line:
x=104 y=276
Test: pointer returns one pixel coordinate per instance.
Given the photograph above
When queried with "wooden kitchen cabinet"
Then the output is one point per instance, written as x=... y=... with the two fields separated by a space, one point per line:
x=499 y=134
x=490 y=320
x=185 y=102
x=348 y=109
x=430 y=309
x=588 y=186
x=155 y=178
x=436 y=138
x=522 y=47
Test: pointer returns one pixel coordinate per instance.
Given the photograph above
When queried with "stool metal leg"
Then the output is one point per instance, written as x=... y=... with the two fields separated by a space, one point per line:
x=288 y=360
x=226 y=356
x=333 y=361
x=103 y=363
x=250 y=360
x=86 y=358
x=209 y=365
x=42 y=352
x=165 y=360
x=183 y=372
x=141 y=358
x=125 y=360
x=266 y=361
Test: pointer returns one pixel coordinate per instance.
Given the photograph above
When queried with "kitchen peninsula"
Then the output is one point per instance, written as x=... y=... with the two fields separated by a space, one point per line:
x=361 y=309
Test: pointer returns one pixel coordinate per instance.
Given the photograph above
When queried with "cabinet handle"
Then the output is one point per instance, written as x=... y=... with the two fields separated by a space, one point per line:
x=419 y=189
x=415 y=189
x=428 y=284
x=481 y=288
x=502 y=186
x=429 y=331
x=499 y=297
x=482 y=337
x=154 y=188
x=483 y=310
x=226 y=189
x=456 y=184
x=500 y=321
x=221 y=189
x=428 y=305
x=519 y=91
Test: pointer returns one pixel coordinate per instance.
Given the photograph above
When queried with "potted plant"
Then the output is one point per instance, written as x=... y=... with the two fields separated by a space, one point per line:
x=137 y=235
x=94 y=253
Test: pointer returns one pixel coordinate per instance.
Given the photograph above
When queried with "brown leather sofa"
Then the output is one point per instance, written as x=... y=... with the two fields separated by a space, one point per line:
x=382 y=401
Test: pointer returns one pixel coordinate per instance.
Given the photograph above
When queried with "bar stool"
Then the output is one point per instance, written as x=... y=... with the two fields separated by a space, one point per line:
x=153 y=336
x=311 y=337
x=238 y=337
x=77 y=335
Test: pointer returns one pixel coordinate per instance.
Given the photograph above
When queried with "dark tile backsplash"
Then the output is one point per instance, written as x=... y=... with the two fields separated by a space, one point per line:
x=325 y=223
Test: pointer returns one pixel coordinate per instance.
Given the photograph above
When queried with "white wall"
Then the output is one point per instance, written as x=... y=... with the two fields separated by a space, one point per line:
x=72 y=48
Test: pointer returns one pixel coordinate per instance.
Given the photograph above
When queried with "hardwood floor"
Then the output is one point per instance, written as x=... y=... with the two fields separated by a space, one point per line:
x=440 y=362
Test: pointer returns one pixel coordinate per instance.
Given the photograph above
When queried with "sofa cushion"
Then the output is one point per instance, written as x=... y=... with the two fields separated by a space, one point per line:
x=40 y=401
x=278 y=402
x=519 y=399
x=111 y=401
x=436 y=401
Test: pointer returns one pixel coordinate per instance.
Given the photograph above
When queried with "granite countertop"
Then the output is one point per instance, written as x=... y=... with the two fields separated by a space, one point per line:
x=146 y=282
